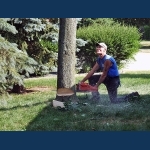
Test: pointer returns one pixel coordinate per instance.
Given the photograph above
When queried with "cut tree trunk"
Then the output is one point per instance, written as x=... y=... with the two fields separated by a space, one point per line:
x=66 y=54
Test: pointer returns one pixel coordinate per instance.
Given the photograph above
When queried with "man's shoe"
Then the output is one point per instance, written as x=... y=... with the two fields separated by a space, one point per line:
x=136 y=94
x=132 y=96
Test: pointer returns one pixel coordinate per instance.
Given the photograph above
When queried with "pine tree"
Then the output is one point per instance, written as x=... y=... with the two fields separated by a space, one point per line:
x=13 y=61
x=28 y=38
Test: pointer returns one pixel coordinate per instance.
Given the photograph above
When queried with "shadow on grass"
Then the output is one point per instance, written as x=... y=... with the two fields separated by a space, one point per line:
x=56 y=119
x=91 y=118
x=24 y=106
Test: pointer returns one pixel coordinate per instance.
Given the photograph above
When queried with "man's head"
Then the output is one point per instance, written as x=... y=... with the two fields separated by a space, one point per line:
x=101 y=49
x=102 y=45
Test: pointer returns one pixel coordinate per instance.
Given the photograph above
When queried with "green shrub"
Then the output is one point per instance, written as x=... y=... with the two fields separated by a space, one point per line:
x=122 y=41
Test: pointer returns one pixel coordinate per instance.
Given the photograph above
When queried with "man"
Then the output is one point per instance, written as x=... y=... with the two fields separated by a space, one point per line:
x=109 y=77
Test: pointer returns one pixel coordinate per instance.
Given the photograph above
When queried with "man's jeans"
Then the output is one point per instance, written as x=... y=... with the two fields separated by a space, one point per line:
x=111 y=84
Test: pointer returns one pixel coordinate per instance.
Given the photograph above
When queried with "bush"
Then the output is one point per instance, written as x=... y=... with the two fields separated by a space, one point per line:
x=122 y=41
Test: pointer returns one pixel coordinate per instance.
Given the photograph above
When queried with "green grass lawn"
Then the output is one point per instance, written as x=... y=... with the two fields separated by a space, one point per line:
x=33 y=112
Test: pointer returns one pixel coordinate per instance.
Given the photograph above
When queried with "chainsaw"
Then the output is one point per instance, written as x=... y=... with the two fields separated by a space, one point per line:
x=85 y=87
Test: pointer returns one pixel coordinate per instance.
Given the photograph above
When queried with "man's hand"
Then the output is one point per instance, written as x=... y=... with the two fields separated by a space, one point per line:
x=96 y=86
x=80 y=82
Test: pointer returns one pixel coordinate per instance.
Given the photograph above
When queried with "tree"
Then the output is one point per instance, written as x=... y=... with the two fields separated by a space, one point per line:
x=66 y=53
x=13 y=61
x=28 y=39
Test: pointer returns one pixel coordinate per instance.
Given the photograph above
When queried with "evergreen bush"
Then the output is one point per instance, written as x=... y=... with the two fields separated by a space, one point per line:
x=15 y=64
x=29 y=32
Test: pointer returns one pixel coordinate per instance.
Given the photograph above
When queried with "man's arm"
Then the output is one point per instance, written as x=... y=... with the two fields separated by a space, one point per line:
x=95 y=68
x=107 y=65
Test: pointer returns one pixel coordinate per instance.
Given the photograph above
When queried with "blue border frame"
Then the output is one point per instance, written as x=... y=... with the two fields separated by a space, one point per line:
x=74 y=140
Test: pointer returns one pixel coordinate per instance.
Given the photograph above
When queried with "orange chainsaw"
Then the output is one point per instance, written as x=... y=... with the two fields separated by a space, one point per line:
x=85 y=87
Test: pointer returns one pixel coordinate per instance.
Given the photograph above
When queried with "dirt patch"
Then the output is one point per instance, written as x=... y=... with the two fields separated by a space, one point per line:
x=35 y=90
x=38 y=89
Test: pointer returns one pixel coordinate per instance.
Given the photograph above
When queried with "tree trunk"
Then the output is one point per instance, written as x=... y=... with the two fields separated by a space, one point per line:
x=18 y=88
x=66 y=53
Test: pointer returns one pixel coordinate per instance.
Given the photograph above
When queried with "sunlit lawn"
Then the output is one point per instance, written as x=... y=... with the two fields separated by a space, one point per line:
x=33 y=111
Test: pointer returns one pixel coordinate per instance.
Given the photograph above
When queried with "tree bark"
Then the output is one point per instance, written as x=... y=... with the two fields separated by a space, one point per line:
x=66 y=53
